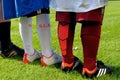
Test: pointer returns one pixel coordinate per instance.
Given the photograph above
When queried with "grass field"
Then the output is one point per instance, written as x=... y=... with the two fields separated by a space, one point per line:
x=109 y=51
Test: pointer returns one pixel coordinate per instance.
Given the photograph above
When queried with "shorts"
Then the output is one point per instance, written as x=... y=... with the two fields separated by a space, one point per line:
x=19 y=8
x=41 y=11
x=94 y=16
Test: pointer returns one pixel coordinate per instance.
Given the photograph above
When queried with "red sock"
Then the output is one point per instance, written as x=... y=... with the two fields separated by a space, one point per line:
x=66 y=36
x=90 y=34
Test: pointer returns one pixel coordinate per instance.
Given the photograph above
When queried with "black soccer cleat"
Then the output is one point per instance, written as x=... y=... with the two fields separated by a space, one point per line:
x=100 y=70
x=13 y=50
x=77 y=65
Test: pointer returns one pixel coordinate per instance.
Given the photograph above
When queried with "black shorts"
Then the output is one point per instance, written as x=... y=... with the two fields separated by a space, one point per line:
x=41 y=11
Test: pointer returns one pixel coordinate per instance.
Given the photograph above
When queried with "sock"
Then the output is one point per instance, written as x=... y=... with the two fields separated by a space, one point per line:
x=43 y=29
x=90 y=35
x=66 y=37
x=5 y=35
x=25 y=26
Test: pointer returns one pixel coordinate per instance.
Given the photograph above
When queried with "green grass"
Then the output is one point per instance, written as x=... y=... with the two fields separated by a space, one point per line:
x=109 y=51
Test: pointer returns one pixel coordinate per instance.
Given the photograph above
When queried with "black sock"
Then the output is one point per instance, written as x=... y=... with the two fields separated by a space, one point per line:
x=5 y=35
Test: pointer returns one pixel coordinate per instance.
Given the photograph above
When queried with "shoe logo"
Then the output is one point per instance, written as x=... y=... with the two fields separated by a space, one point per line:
x=75 y=65
x=101 y=72
x=13 y=53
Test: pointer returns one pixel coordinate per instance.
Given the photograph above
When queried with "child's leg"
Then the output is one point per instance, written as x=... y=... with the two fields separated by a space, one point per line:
x=66 y=37
x=26 y=35
x=66 y=30
x=90 y=34
x=5 y=35
x=90 y=40
x=7 y=47
x=43 y=28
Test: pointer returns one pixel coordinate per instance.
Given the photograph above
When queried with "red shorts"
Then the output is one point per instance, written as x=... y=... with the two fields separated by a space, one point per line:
x=94 y=15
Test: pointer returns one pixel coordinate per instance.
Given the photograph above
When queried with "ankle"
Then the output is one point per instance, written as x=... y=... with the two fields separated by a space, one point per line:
x=48 y=55
x=85 y=70
x=67 y=64
x=32 y=53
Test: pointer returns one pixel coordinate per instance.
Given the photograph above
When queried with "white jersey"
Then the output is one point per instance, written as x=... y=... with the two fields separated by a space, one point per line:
x=77 y=5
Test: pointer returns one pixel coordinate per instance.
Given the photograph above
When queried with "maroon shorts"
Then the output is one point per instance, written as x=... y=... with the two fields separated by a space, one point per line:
x=94 y=15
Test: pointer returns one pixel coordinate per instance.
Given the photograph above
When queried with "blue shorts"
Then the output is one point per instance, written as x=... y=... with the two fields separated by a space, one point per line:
x=18 y=8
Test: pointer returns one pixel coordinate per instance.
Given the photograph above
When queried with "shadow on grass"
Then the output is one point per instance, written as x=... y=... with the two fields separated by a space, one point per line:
x=18 y=58
x=36 y=62
x=116 y=72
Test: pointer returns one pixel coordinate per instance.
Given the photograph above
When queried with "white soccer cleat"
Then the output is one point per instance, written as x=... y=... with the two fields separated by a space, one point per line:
x=53 y=59
x=30 y=58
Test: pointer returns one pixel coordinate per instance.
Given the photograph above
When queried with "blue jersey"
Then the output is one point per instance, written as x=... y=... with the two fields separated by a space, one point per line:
x=18 y=8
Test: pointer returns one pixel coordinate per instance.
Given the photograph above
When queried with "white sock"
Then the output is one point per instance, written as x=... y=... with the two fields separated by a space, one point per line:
x=43 y=28
x=25 y=27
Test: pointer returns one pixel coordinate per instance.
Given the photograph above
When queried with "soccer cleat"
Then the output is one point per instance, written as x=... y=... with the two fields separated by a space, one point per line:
x=100 y=70
x=13 y=50
x=76 y=65
x=9 y=54
x=53 y=59
x=30 y=58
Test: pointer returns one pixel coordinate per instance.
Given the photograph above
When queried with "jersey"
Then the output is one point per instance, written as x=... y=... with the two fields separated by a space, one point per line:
x=77 y=5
